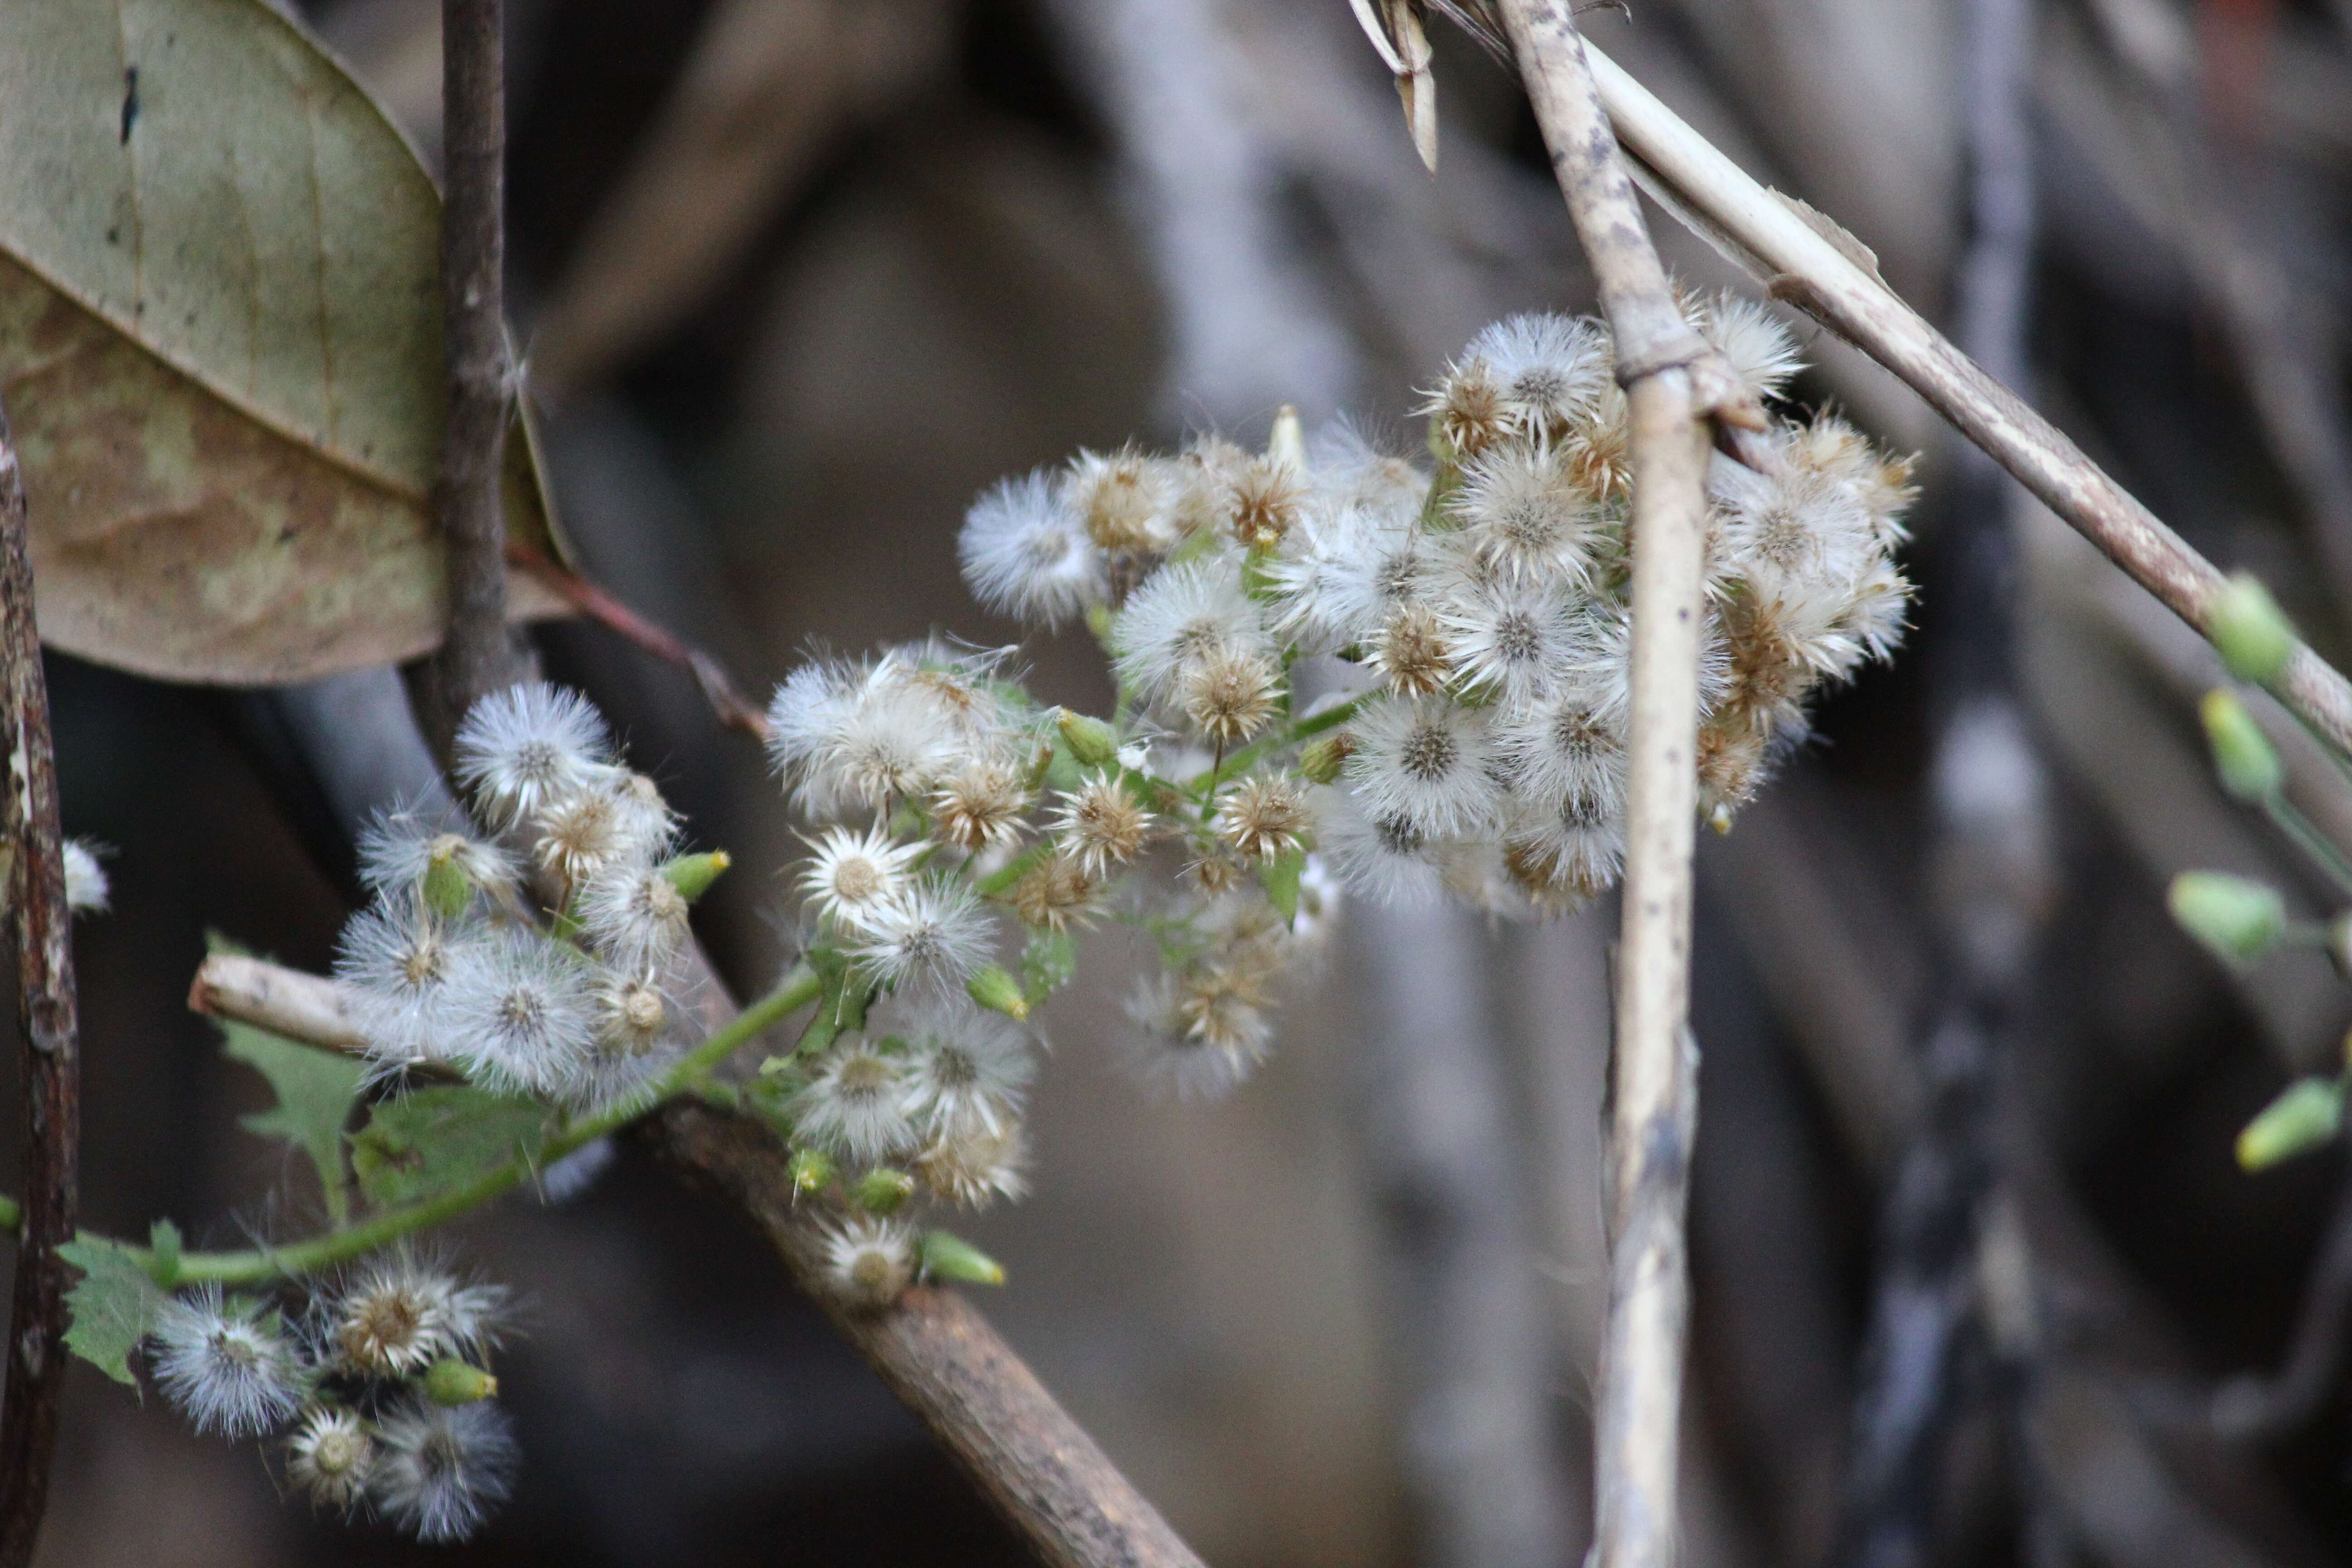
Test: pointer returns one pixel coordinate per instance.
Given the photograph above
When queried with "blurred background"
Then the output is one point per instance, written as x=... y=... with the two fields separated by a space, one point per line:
x=798 y=278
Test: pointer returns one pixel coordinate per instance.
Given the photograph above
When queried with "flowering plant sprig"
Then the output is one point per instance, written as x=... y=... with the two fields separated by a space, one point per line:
x=1335 y=668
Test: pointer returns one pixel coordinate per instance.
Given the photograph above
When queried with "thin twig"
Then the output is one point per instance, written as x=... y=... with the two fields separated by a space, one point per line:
x=718 y=689
x=30 y=830
x=1678 y=389
x=1824 y=271
x=2257 y=1408
x=478 y=654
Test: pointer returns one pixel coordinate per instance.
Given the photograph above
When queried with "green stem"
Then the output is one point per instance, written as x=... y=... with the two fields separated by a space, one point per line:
x=1305 y=730
x=2322 y=849
x=261 y=1265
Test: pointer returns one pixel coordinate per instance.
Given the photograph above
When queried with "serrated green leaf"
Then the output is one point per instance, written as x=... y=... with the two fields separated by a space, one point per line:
x=1049 y=962
x=424 y=1143
x=113 y=1304
x=315 y=1089
x=1280 y=877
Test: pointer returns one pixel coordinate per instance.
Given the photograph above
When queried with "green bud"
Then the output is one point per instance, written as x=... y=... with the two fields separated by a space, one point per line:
x=1287 y=443
x=1321 y=758
x=692 y=875
x=447 y=890
x=997 y=991
x=1088 y=739
x=453 y=1381
x=946 y=1256
x=2242 y=754
x=2299 y=1121
x=2251 y=633
x=2235 y=920
x=882 y=1190
x=812 y=1171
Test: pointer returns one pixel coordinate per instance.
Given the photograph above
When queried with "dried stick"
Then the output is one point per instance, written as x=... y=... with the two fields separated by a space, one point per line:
x=478 y=654
x=1813 y=265
x=941 y=1357
x=1675 y=387
x=933 y=1348
x=35 y=845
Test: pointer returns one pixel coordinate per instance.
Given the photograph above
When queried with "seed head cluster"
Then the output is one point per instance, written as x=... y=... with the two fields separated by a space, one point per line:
x=1337 y=667
x=374 y=1384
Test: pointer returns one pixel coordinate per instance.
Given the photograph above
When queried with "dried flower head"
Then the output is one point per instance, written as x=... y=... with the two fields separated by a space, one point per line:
x=853 y=875
x=521 y=749
x=1262 y=817
x=1101 y=826
x=332 y=1456
x=978 y=806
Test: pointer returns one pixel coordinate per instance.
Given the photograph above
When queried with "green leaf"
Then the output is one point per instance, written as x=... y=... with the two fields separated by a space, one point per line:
x=1049 y=962
x=220 y=345
x=1280 y=877
x=427 y=1143
x=113 y=1304
x=315 y=1089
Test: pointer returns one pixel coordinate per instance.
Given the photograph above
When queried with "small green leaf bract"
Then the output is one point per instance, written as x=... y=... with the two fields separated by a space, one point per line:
x=1049 y=962
x=315 y=1089
x=113 y=1304
x=424 y=1143
x=1280 y=876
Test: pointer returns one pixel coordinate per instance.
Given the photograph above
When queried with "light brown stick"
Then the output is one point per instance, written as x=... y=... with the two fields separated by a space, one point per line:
x=1677 y=387
x=1814 y=267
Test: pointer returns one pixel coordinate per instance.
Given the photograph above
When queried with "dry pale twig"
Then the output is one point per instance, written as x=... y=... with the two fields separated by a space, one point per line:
x=933 y=1347
x=52 y=1051
x=1808 y=261
x=1675 y=387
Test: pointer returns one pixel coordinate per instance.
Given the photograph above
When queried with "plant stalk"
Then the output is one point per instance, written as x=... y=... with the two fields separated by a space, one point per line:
x=33 y=840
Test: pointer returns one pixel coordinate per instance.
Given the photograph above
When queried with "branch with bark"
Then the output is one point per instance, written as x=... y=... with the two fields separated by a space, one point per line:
x=34 y=842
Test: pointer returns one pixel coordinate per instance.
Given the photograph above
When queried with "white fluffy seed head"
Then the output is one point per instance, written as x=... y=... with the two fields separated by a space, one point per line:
x=440 y=1471
x=521 y=748
x=1198 y=1034
x=1548 y=370
x=332 y=1456
x=397 y=1313
x=395 y=962
x=634 y=916
x=869 y=1261
x=928 y=937
x=1180 y=613
x=1423 y=761
x=1524 y=516
x=964 y=1068
x=1384 y=858
x=86 y=886
x=854 y=874
x=971 y=1166
x=1759 y=348
x=228 y=1366
x=520 y=1014
x=1027 y=553
x=411 y=851
x=855 y=1103
x=1513 y=639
